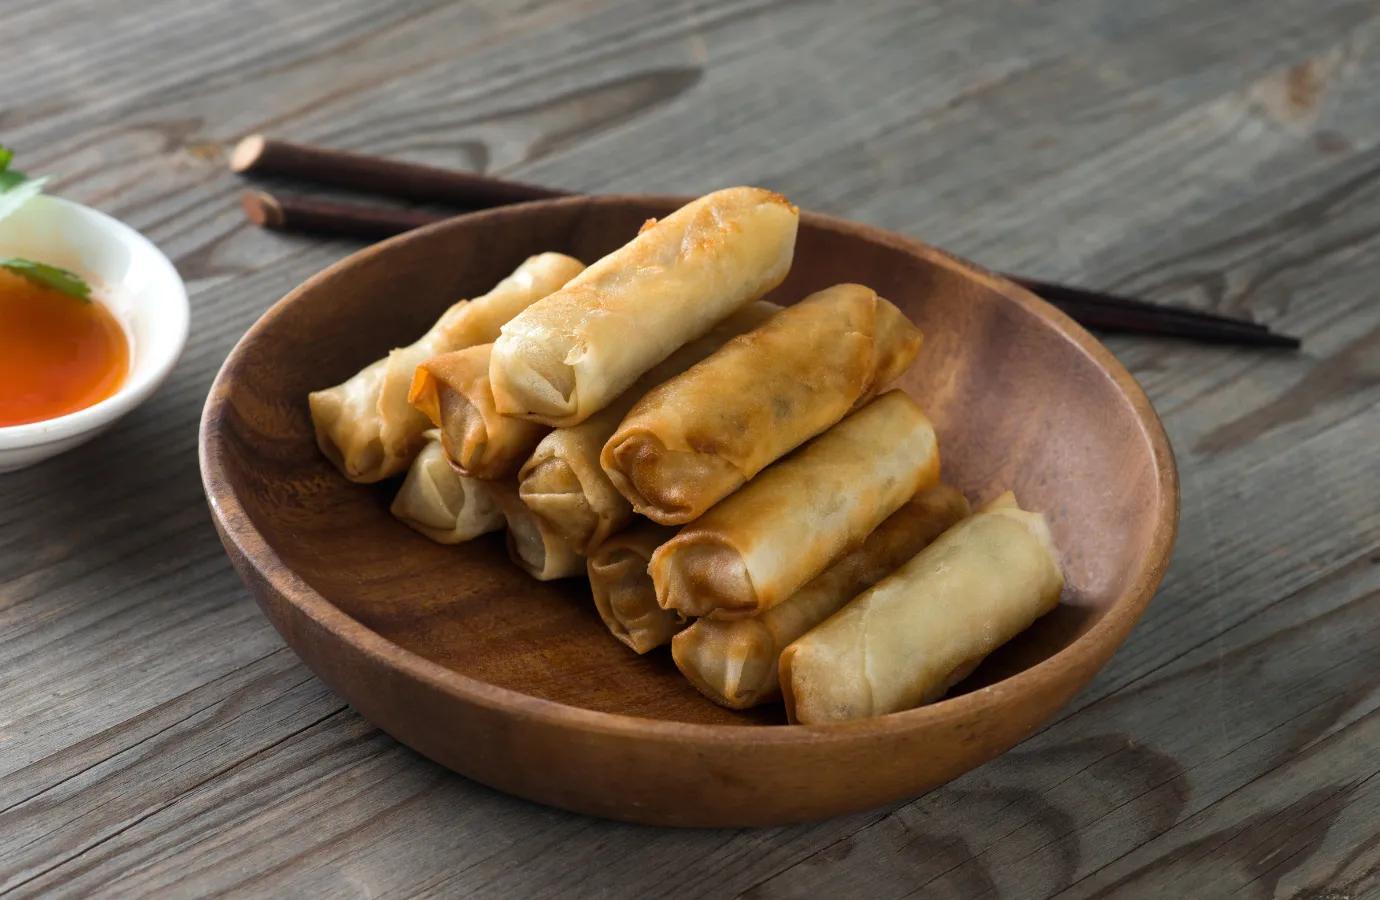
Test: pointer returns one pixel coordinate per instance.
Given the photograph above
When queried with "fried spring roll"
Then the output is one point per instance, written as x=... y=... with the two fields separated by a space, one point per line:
x=623 y=591
x=441 y=503
x=921 y=630
x=365 y=425
x=734 y=662
x=763 y=543
x=533 y=544
x=570 y=355
x=563 y=481
x=453 y=391
x=697 y=438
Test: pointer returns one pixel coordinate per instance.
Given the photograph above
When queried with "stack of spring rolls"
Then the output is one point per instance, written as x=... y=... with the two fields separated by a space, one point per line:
x=734 y=478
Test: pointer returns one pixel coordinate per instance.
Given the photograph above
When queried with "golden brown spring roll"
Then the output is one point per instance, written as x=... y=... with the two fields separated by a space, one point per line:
x=697 y=438
x=453 y=391
x=763 y=543
x=921 y=630
x=623 y=591
x=366 y=427
x=533 y=544
x=563 y=481
x=441 y=503
x=573 y=353
x=733 y=662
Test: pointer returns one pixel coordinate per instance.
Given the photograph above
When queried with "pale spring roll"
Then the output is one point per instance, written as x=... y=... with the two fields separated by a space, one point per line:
x=697 y=438
x=733 y=662
x=623 y=591
x=763 y=543
x=366 y=427
x=570 y=355
x=441 y=503
x=921 y=630
x=563 y=481
x=453 y=391
x=533 y=544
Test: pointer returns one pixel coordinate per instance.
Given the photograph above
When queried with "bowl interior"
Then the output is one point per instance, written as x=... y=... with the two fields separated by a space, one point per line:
x=129 y=274
x=1018 y=399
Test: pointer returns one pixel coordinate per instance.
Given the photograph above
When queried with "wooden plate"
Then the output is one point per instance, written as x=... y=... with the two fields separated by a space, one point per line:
x=516 y=684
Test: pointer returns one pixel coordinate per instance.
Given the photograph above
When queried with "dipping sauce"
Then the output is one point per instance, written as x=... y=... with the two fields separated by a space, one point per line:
x=58 y=354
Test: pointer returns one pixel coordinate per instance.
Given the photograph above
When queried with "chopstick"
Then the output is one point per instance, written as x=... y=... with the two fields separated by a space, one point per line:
x=306 y=214
x=1171 y=322
x=257 y=155
x=1076 y=296
x=1108 y=312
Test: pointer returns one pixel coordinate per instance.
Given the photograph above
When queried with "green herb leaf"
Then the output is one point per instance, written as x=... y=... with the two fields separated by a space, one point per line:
x=15 y=192
x=53 y=277
x=16 y=188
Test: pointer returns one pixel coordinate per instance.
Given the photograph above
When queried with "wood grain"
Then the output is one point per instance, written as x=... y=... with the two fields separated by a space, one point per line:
x=1211 y=152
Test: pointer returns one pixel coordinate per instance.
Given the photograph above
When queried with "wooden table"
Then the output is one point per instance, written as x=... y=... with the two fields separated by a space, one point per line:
x=157 y=739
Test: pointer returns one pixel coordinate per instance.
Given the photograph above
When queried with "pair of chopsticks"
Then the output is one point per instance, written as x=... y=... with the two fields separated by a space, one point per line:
x=260 y=156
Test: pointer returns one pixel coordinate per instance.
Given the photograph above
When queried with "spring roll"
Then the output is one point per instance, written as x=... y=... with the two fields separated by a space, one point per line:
x=573 y=353
x=453 y=391
x=441 y=503
x=921 y=630
x=700 y=436
x=733 y=662
x=533 y=544
x=623 y=591
x=563 y=481
x=366 y=427
x=763 y=543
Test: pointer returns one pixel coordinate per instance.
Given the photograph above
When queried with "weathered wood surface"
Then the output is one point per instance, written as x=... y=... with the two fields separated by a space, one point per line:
x=157 y=739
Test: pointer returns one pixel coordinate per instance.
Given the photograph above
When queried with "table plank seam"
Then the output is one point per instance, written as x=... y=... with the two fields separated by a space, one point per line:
x=356 y=829
x=882 y=817
x=1224 y=798
x=1341 y=571
x=128 y=723
x=165 y=804
x=1306 y=849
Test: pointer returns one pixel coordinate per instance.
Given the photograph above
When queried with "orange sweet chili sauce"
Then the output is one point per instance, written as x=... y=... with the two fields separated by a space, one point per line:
x=58 y=354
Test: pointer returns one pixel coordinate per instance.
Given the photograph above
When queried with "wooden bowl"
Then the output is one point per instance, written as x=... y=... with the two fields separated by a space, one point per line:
x=517 y=684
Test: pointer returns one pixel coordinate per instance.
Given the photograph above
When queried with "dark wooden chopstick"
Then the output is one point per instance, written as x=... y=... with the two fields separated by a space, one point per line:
x=1123 y=314
x=257 y=155
x=282 y=212
x=1078 y=296
x=1170 y=323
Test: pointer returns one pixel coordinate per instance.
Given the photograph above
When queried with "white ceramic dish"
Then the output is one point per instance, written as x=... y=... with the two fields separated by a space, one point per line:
x=133 y=279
